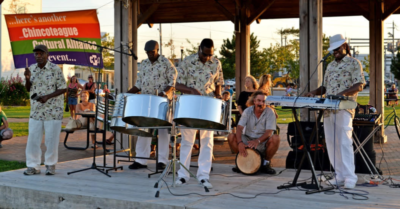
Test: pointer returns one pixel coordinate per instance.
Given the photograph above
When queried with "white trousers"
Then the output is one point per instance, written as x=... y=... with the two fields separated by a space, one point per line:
x=340 y=151
x=52 y=129
x=206 y=150
x=143 y=147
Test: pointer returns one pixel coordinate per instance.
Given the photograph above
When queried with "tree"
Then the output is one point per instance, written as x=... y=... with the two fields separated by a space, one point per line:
x=171 y=45
x=108 y=56
x=395 y=66
x=365 y=62
x=257 y=63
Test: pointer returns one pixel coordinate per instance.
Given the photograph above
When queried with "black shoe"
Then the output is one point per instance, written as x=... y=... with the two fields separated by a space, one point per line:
x=236 y=170
x=268 y=170
x=137 y=165
x=161 y=166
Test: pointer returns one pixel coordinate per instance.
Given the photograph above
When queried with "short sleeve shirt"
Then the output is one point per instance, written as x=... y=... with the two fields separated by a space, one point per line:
x=2 y=115
x=342 y=75
x=156 y=76
x=256 y=127
x=46 y=81
x=202 y=77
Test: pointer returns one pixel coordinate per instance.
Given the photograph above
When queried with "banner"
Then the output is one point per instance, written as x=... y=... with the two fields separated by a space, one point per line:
x=56 y=30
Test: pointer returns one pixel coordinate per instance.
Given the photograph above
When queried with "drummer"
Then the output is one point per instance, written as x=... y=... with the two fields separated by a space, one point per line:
x=199 y=74
x=259 y=122
x=157 y=73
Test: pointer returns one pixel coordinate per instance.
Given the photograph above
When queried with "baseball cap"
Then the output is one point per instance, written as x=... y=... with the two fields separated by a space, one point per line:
x=42 y=48
x=151 y=45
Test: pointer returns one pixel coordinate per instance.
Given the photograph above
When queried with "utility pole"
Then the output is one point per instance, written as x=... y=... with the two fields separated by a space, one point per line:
x=160 y=40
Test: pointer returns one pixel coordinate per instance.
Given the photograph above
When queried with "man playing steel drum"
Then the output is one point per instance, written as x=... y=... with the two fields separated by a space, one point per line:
x=259 y=122
x=199 y=74
x=157 y=73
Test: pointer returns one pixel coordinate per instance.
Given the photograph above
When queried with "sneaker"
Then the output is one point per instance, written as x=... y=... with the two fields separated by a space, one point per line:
x=137 y=165
x=50 y=169
x=206 y=183
x=348 y=185
x=161 y=166
x=268 y=169
x=180 y=182
x=31 y=171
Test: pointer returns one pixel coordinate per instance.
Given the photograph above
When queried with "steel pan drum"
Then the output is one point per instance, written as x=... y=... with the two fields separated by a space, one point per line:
x=120 y=126
x=145 y=110
x=119 y=104
x=200 y=112
x=250 y=164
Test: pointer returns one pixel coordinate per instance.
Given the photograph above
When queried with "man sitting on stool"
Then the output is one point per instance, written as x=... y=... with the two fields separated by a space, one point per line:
x=260 y=123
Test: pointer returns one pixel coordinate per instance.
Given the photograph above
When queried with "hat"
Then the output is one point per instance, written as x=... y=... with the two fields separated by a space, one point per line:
x=151 y=45
x=42 y=48
x=336 y=41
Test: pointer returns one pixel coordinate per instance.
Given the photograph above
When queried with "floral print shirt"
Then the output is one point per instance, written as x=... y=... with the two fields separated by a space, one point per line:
x=46 y=81
x=342 y=75
x=202 y=77
x=156 y=76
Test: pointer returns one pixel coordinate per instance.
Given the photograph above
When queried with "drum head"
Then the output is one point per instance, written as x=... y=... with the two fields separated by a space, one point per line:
x=145 y=121
x=250 y=164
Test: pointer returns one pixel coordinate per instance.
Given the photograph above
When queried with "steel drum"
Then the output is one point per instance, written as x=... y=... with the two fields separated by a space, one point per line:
x=145 y=110
x=117 y=124
x=250 y=164
x=201 y=112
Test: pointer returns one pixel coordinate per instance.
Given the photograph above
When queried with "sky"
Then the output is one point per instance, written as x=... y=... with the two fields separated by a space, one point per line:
x=351 y=27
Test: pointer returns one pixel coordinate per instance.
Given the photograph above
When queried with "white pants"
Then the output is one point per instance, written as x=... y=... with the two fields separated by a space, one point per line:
x=340 y=151
x=143 y=147
x=205 y=158
x=52 y=129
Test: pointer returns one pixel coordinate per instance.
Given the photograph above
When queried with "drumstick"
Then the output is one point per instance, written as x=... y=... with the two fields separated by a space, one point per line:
x=26 y=62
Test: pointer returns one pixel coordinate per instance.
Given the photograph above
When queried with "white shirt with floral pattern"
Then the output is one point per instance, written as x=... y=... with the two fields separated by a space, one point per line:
x=156 y=76
x=202 y=77
x=342 y=75
x=46 y=81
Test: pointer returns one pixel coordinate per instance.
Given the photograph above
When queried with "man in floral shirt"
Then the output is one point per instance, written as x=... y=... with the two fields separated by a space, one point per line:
x=343 y=77
x=46 y=81
x=199 y=74
x=157 y=74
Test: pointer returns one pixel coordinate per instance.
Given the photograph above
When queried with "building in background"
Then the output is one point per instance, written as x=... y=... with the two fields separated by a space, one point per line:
x=7 y=68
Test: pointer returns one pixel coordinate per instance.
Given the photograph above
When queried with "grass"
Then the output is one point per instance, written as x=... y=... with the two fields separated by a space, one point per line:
x=21 y=111
x=11 y=165
x=19 y=129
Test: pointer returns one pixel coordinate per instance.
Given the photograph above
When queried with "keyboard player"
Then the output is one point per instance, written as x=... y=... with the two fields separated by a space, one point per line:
x=343 y=77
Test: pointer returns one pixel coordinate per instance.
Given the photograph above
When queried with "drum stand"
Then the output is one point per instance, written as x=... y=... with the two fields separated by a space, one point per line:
x=306 y=155
x=171 y=166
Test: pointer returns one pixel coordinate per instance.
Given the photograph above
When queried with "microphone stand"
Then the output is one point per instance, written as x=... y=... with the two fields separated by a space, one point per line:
x=103 y=47
x=94 y=166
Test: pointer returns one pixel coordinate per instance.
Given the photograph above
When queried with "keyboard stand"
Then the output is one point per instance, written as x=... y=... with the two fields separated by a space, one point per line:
x=315 y=185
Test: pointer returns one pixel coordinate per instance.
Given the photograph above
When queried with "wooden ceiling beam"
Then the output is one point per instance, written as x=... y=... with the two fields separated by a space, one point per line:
x=365 y=13
x=265 y=5
x=145 y=15
x=258 y=21
x=150 y=25
x=224 y=11
x=394 y=8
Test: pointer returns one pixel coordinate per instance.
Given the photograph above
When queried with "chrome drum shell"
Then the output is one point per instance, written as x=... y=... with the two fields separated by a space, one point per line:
x=120 y=126
x=145 y=110
x=200 y=112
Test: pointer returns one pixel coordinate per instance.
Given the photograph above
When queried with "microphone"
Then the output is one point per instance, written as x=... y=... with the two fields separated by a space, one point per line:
x=326 y=56
x=131 y=50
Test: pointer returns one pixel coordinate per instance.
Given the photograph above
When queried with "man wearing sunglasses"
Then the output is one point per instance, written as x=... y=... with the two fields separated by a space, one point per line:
x=343 y=77
x=157 y=74
x=199 y=74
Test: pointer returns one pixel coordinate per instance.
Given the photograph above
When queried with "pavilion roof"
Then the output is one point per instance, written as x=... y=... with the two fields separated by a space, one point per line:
x=178 y=11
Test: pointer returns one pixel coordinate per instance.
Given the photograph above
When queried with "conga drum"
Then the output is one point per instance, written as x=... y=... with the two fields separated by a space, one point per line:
x=250 y=164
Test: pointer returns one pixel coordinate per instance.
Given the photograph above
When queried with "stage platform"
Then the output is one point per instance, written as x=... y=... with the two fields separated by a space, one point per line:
x=133 y=189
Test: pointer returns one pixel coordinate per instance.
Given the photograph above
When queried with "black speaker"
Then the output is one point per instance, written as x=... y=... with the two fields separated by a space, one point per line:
x=322 y=161
x=361 y=166
x=362 y=132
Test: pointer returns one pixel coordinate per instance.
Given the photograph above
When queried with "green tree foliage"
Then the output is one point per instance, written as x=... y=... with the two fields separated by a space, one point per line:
x=108 y=56
x=365 y=62
x=258 y=64
x=395 y=66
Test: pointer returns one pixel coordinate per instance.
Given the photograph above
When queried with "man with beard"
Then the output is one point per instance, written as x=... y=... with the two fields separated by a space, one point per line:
x=259 y=122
